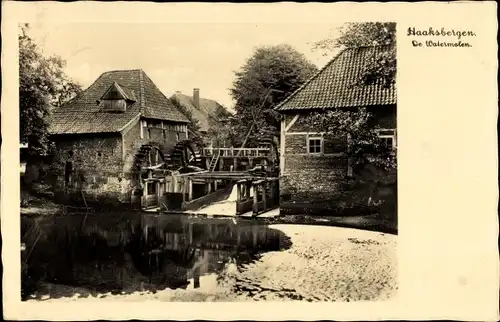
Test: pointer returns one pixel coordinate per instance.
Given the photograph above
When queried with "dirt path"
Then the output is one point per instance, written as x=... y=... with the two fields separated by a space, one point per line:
x=325 y=264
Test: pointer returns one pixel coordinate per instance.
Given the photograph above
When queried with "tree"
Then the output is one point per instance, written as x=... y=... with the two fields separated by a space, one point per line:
x=268 y=77
x=43 y=86
x=381 y=67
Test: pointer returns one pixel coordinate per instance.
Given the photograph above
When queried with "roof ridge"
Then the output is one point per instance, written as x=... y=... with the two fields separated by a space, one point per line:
x=369 y=46
x=142 y=99
x=312 y=77
x=201 y=98
x=122 y=70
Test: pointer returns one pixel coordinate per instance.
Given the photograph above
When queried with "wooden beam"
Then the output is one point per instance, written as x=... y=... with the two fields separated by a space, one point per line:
x=154 y=167
x=184 y=191
x=292 y=122
x=190 y=189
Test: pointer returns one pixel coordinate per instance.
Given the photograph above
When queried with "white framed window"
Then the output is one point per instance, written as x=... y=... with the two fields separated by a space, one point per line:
x=315 y=145
x=388 y=137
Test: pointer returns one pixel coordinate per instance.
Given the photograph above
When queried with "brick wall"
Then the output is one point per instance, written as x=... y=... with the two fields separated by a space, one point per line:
x=312 y=178
x=295 y=144
x=315 y=183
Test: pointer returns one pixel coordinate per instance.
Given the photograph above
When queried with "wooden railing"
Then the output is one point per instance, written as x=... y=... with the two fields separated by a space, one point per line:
x=244 y=152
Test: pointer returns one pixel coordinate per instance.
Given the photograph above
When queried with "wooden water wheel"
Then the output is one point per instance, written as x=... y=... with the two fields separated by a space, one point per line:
x=149 y=161
x=185 y=155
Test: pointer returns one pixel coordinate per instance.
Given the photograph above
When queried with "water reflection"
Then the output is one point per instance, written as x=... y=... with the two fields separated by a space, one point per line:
x=130 y=252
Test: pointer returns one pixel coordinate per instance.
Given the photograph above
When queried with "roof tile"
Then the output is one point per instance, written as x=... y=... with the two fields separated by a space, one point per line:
x=84 y=114
x=334 y=85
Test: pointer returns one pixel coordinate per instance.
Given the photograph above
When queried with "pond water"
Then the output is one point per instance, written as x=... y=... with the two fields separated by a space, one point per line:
x=132 y=252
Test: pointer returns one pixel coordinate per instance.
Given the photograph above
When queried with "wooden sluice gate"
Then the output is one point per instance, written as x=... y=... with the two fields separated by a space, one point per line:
x=194 y=186
x=256 y=195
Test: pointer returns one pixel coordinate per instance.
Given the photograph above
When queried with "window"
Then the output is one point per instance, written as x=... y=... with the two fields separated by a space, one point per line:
x=388 y=137
x=315 y=145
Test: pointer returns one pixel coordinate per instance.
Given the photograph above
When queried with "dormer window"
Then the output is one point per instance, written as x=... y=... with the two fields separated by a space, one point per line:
x=117 y=98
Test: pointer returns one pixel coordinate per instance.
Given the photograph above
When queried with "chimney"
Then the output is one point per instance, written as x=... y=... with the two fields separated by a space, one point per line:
x=196 y=98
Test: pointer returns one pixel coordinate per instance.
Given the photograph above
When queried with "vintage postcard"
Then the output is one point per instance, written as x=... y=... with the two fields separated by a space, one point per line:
x=278 y=161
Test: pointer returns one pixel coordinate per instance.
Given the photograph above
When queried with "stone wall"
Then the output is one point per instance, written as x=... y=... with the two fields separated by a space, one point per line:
x=102 y=164
x=96 y=167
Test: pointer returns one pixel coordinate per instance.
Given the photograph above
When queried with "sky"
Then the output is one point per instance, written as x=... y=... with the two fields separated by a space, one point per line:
x=176 y=56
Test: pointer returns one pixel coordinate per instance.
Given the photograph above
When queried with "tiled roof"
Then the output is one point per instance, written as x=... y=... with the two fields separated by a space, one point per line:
x=335 y=86
x=209 y=110
x=84 y=114
x=116 y=91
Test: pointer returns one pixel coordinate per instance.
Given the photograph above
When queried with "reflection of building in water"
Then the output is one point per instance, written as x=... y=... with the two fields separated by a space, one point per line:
x=125 y=251
x=204 y=246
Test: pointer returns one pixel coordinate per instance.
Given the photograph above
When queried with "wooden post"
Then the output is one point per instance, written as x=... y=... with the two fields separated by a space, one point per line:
x=248 y=188
x=238 y=191
x=173 y=187
x=184 y=189
x=190 y=189
x=250 y=162
x=235 y=164
x=196 y=277
x=221 y=164
x=215 y=185
x=209 y=187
